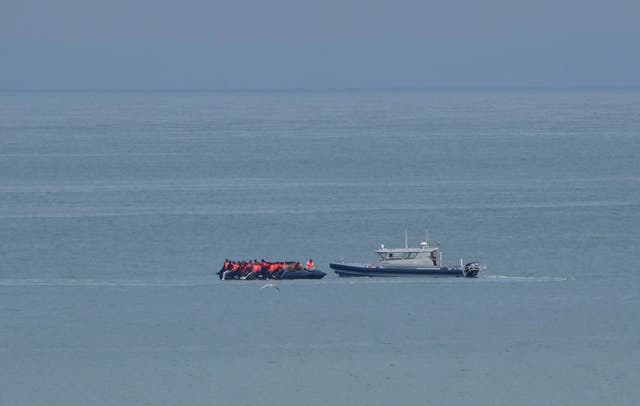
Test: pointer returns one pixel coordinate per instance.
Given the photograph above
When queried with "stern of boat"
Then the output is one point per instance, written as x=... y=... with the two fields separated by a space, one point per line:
x=471 y=269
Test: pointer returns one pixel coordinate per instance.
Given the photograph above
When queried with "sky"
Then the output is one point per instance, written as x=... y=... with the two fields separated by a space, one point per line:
x=329 y=44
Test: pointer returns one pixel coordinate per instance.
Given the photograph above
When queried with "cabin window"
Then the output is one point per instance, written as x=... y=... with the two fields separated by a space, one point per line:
x=394 y=256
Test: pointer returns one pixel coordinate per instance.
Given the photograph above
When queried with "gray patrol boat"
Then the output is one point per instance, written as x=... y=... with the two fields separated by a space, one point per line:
x=424 y=260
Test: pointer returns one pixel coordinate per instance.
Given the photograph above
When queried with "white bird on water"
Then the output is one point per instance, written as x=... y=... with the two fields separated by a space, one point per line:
x=270 y=285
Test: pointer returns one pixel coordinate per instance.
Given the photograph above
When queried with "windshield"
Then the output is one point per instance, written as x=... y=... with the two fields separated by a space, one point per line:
x=391 y=256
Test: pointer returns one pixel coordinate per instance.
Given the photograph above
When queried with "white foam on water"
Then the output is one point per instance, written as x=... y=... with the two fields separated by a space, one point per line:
x=447 y=280
x=509 y=278
x=329 y=281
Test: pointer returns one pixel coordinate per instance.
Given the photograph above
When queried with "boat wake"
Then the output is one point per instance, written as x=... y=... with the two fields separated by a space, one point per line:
x=439 y=280
x=510 y=278
x=72 y=282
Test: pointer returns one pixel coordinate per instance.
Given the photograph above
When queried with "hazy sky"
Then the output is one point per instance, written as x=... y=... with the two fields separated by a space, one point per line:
x=198 y=44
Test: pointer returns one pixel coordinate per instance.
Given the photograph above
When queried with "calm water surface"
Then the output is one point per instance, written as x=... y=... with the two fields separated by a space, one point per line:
x=116 y=209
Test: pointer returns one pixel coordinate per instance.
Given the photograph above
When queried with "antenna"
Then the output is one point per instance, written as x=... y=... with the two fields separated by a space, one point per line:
x=426 y=236
x=406 y=239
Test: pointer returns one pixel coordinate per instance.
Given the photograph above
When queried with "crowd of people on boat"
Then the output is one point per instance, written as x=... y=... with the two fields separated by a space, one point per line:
x=260 y=269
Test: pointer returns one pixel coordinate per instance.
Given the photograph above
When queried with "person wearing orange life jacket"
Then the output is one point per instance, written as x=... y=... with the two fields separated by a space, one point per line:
x=224 y=269
x=273 y=269
x=310 y=264
x=231 y=270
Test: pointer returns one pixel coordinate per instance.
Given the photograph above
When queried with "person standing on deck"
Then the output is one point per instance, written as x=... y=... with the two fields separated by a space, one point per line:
x=310 y=264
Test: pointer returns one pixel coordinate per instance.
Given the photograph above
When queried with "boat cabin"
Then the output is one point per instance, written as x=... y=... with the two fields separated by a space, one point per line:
x=422 y=256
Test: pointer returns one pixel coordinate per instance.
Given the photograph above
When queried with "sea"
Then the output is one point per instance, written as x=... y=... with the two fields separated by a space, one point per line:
x=118 y=208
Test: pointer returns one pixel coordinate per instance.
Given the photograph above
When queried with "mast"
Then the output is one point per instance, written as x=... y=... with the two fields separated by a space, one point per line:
x=406 y=239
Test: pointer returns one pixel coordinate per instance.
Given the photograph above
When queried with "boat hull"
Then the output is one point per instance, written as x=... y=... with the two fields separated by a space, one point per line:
x=299 y=274
x=349 y=270
x=303 y=275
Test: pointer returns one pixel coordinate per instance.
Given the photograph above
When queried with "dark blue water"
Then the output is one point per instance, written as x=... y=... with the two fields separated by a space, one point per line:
x=116 y=209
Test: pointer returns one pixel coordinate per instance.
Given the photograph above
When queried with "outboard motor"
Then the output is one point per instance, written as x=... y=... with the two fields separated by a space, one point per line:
x=471 y=269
